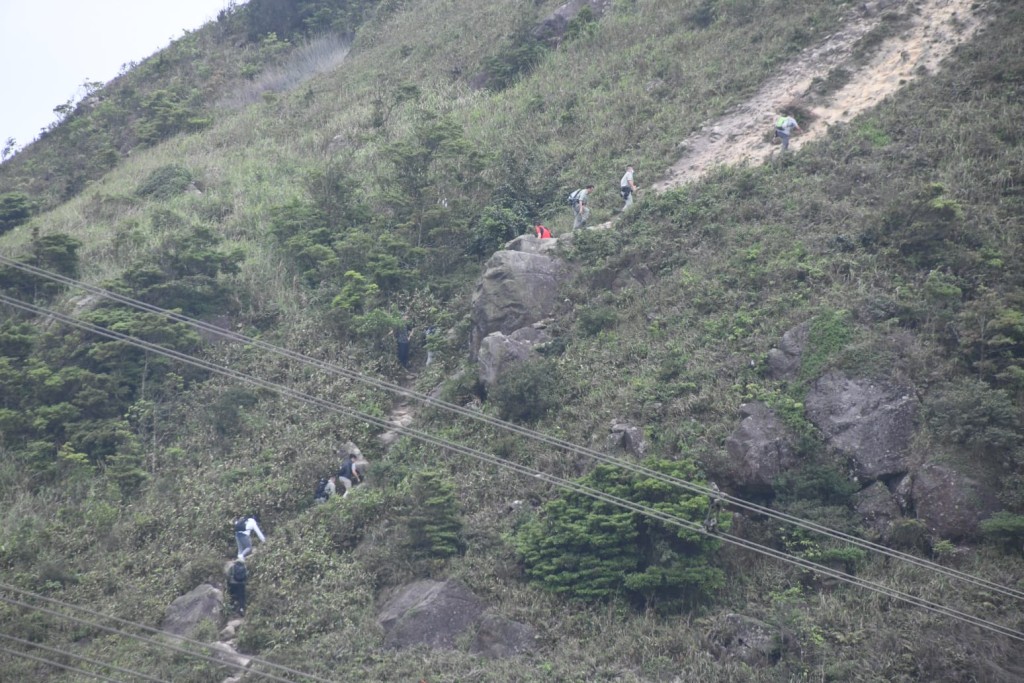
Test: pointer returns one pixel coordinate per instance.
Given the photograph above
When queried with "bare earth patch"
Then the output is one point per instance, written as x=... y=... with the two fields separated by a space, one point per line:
x=927 y=32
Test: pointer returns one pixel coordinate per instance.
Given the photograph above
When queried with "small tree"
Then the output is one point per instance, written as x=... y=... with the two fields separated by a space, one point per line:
x=15 y=208
x=588 y=549
x=434 y=526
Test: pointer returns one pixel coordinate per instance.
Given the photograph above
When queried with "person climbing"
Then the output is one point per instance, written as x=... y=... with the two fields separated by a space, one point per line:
x=784 y=127
x=352 y=472
x=714 y=507
x=580 y=206
x=627 y=188
x=325 y=488
x=243 y=527
x=237 y=576
x=542 y=232
x=428 y=343
x=402 y=333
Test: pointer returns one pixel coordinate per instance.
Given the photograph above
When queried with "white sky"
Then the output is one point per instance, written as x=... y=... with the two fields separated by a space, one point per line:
x=48 y=48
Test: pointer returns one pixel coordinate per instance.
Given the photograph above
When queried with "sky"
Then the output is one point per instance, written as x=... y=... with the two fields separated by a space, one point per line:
x=48 y=48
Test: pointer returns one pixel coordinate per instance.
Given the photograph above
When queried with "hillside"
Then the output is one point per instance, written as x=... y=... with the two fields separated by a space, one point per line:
x=834 y=334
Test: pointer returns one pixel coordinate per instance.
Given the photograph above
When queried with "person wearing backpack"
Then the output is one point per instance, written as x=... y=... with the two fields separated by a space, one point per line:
x=237 y=577
x=784 y=127
x=580 y=200
x=243 y=527
x=325 y=488
x=627 y=188
x=351 y=472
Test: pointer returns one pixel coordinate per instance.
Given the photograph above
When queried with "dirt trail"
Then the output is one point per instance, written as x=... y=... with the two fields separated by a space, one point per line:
x=933 y=29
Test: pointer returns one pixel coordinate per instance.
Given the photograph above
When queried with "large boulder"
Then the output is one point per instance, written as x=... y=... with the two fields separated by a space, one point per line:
x=553 y=27
x=498 y=637
x=531 y=244
x=784 y=361
x=877 y=509
x=517 y=289
x=949 y=503
x=202 y=603
x=438 y=613
x=744 y=639
x=627 y=437
x=868 y=422
x=432 y=613
x=498 y=351
x=759 y=450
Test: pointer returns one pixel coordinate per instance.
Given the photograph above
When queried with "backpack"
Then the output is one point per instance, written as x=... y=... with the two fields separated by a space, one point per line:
x=240 y=524
x=573 y=198
x=321 y=490
x=239 y=573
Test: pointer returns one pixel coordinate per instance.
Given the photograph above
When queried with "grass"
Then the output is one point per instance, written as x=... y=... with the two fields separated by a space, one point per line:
x=734 y=261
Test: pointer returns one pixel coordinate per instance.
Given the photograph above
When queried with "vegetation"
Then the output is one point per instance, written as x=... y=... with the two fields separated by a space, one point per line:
x=316 y=214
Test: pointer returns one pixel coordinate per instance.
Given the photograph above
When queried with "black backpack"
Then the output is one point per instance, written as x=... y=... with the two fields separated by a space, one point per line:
x=240 y=524
x=239 y=573
x=321 y=490
x=573 y=198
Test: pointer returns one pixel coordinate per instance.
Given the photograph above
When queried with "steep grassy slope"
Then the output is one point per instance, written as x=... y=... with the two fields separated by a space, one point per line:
x=901 y=230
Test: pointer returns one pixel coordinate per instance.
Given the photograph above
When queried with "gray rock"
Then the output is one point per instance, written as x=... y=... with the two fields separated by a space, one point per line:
x=553 y=27
x=868 y=422
x=877 y=508
x=949 y=503
x=517 y=289
x=627 y=437
x=784 y=361
x=497 y=637
x=759 y=450
x=531 y=244
x=229 y=655
x=744 y=639
x=498 y=352
x=186 y=612
x=431 y=613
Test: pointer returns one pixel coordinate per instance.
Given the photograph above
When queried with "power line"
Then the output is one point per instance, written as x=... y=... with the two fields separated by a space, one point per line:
x=59 y=665
x=495 y=460
x=735 y=501
x=106 y=665
x=147 y=640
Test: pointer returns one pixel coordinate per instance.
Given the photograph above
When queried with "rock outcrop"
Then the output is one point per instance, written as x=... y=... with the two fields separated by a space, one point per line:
x=499 y=351
x=784 y=361
x=202 y=603
x=744 y=639
x=868 y=422
x=551 y=29
x=627 y=437
x=517 y=290
x=949 y=503
x=877 y=509
x=759 y=451
x=438 y=613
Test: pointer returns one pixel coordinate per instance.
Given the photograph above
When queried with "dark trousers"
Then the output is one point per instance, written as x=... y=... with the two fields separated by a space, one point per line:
x=237 y=593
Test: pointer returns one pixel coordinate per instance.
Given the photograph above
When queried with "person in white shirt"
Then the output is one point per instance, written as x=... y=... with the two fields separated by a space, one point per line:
x=784 y=127
x=627 y=188
x=243 y=527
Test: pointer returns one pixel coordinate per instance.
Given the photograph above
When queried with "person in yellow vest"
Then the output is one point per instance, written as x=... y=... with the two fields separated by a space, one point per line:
x=784 y=127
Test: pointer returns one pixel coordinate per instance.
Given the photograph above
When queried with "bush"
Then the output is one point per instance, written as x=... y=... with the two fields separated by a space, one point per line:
x=588 y=549
x=15 y=209
x=165 y=182
x=1005 y=529
x=526 y=392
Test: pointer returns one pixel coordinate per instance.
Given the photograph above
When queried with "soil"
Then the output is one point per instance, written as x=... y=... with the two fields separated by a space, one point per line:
x=917 y=37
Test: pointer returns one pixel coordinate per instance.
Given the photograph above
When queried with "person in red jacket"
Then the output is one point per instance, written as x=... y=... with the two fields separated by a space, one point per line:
x=542 y=232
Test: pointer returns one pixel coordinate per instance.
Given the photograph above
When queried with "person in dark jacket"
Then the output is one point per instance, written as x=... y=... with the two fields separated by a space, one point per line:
x=402 y=333
x=238 y=575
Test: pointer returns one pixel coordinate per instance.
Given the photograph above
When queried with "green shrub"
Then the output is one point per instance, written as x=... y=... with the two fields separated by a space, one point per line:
x=15 y=209
x=1005 y=529
x=433 y=518
x=165 y=182
x=527 y=391
x=597 y=318
x=588 y=549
